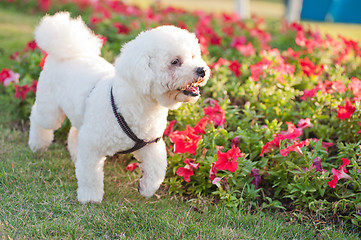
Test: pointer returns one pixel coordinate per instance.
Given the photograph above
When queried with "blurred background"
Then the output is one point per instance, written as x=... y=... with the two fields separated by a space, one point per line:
x=329 y=16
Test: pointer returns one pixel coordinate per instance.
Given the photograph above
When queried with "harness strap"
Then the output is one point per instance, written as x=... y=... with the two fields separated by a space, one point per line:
x=139 y=143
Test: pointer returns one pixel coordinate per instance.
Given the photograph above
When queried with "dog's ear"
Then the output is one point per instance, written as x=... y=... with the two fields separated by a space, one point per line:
x=134 y=66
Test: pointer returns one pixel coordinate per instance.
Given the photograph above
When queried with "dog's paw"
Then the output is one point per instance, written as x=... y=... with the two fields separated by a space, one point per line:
x=147 y=189
x=86 y=195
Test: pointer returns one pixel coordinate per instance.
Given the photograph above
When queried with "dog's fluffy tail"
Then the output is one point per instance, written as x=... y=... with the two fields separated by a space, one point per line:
x=63 y=37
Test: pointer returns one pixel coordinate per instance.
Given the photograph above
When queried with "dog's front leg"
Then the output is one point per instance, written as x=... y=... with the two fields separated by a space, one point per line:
x=153 y=158
x=89 y=171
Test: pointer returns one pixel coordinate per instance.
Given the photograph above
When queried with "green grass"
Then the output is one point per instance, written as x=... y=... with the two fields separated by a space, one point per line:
x=38 y=192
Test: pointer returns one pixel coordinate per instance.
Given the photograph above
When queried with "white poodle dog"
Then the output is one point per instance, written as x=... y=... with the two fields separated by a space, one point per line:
x=157 y=71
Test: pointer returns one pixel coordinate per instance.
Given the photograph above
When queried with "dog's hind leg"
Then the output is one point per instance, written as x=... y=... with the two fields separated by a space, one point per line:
x=153 y=159
x=43 y=121
x=73 y=143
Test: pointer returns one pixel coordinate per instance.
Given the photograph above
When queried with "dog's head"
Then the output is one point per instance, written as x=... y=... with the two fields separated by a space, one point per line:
x=165 y=63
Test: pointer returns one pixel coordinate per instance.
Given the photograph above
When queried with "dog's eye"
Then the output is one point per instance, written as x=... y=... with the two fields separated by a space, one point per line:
x=176 y=62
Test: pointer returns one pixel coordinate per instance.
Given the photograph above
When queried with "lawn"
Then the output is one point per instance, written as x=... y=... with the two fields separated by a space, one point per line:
x=38 y=191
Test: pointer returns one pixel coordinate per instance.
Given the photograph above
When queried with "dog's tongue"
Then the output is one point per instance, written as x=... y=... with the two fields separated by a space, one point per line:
x=191 y=91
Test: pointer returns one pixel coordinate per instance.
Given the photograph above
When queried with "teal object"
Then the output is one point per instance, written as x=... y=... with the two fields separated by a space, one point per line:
x=315 y=10
x=347 y=11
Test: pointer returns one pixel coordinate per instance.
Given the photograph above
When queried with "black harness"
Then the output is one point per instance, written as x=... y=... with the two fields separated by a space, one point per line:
x=139 y=143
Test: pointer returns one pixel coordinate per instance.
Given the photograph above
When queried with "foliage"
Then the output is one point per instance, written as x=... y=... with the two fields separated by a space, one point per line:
x=279 y=125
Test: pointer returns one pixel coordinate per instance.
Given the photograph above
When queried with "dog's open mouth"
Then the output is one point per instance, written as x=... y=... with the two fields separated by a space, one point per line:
x=191 y=89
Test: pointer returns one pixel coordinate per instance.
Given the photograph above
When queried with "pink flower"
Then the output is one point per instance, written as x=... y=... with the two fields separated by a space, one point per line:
x=258 y=70
x=355 y=86
x=309 y=94
x=228 y=160
x=246 y=50
x=213 y=171
x=216 y=114
x=132 y=166
x=296 y=147
x=304 y=123
x=217 y=181
x=324 y=144
x=7 y=76
x=291 y=53
x=238 y=41
x=316 y=164
x=339 y=174
x=219 y=63
x=186 y=172
x=235 y=141
x=345 y=111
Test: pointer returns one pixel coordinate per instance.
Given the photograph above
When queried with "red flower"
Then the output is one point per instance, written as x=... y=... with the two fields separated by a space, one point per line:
x=33 y=86
x=185 y=141
x=21 y=91
x=44 y=5
x=203 y=43
x=345 y=111
x=339 y=174
x=4 y=74
x=186 y=172
x=291 y=134
x=228 y=160
x=42 y=62
x=216 y=114
x=235 y=68
x=201 y=125
x=122 y=29
x=102 y=38
x=132 y=166
x=309 y=68
x=31 y=46
x=169 y=129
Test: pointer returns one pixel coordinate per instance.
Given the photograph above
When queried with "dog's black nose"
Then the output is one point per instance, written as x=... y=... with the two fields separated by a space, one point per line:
x=200 y=72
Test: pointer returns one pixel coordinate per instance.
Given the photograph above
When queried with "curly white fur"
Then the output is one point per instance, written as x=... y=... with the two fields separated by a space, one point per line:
x=146 y=81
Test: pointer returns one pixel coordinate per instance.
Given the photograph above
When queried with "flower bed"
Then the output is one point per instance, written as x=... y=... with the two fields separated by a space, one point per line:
x=279 y=125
